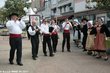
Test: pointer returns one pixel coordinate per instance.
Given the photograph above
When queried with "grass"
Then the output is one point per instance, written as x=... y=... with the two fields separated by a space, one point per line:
x=108 y=46
x=108 y=43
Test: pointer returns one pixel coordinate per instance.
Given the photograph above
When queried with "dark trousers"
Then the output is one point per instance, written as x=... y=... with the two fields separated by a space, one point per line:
x=35 y=46
x=84 y=42
x=66 y=38
x=15 y=44
x=47 y=40
x=54 y=42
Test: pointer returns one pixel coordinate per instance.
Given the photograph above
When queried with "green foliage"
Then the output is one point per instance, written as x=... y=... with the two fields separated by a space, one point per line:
x=13 y=6
x=103 y=4
x=2 y=15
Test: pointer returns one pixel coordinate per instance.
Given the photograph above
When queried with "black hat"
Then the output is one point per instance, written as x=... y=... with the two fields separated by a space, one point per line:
x=84 y=19
x=13 y=14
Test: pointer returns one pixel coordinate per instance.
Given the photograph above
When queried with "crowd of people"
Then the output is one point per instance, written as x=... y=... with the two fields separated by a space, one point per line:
x=93 y=37
x=90 y=36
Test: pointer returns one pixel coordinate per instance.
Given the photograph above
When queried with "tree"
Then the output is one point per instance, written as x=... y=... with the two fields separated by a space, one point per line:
x=103 y=4
x=15 y=6
x=11 y=6
x=2 y=15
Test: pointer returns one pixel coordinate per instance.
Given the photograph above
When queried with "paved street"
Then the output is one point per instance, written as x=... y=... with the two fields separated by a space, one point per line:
x=74 y=62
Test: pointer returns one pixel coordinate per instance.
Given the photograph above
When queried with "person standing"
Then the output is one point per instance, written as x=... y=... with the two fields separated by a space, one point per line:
x=76 y=32
x=84 y=31
x=15 y=39
x=34 y=32
x=46 y=38
x=90 y=39
x=66 y=34
x=54 y=35
x=101 y=33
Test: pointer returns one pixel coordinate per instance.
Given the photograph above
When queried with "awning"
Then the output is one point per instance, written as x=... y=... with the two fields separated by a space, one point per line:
x=63 y=17
x=89 y=12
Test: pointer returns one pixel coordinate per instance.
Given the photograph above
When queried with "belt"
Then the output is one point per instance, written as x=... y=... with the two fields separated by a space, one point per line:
x=46 y=34
x=66 y=31
x=54 y=33
x=15 y=35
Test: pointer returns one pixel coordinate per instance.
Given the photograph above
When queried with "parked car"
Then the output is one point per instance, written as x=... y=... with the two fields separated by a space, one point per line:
x=2 y=26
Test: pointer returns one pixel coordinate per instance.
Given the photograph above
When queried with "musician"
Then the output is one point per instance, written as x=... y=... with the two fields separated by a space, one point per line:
x=66 y=34
x=84 y=30
x=54 y=30
x=15 y=39
x=34 y=32
x=46 y=38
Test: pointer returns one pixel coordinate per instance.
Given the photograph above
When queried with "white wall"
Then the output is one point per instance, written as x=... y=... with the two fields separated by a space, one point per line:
x=54 y=2
x=80 y=6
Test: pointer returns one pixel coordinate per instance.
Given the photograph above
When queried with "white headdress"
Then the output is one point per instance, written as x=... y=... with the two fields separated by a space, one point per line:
x=90 y=23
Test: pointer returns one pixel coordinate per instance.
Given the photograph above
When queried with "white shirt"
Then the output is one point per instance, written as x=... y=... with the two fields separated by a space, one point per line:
x=15 y=27
x=56 y=28
x=66 y=26
x=32 y=32
x=45 y=28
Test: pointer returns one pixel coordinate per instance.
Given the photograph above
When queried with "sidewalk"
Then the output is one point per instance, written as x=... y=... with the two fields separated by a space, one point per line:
x=74 y=62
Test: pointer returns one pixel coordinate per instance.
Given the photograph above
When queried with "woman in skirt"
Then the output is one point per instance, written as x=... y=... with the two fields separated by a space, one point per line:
x=90 y=38
x=101 y=33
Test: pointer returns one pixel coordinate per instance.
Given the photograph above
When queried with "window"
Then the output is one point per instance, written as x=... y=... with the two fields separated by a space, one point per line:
x=54 y=10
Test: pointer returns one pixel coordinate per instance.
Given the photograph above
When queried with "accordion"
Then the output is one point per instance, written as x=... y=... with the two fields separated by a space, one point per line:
x=51 y=29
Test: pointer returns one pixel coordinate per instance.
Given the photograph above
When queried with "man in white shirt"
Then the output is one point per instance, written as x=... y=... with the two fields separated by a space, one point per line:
x=46 y=38
x=66 y=34
x=34 y=32
x=54 y=35
x=15 y=39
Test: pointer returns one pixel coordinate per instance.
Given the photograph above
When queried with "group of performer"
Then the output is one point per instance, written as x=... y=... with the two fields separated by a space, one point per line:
x=48 y=29
x=91 y=37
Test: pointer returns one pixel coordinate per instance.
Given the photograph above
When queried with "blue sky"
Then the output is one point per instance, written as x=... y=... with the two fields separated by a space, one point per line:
x=2 y=2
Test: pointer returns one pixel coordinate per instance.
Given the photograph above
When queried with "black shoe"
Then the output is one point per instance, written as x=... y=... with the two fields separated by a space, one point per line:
x=20 y=64
x=11 y=62
x=89 y=53
x=55 y=51
x=84 y=50
x=34 y=58
x=69 y=50
x=62 y=50
x=45 y=54
x=51 y=55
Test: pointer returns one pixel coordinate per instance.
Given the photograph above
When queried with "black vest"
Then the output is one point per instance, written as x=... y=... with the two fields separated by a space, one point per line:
x=37 y=33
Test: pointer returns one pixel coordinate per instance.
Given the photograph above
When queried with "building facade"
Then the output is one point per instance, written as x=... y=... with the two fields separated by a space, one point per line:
x=62 y=9
x=86 y=8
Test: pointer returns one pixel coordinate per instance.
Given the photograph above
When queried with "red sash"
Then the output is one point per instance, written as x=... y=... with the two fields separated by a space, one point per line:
x=15 y=35
x=66 y=31
x=54 y=33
